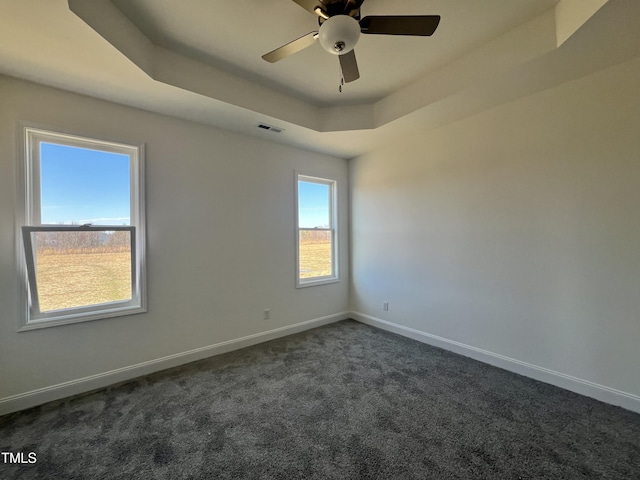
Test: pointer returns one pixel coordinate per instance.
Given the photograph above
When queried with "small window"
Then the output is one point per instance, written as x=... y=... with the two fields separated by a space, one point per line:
x=82 y=229
x=316 y=231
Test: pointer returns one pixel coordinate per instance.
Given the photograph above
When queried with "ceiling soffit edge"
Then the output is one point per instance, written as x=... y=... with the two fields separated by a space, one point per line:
x=516 y=47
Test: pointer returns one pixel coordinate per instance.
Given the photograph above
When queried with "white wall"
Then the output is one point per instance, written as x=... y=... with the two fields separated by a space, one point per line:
x=515 y=232
x=220 y=234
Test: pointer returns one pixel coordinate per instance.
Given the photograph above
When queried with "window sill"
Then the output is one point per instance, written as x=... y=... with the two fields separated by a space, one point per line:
x=36 y=324
x=320 y=281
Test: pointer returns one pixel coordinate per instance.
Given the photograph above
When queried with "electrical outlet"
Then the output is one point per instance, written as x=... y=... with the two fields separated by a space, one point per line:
x=385 y=306
x=267 y=314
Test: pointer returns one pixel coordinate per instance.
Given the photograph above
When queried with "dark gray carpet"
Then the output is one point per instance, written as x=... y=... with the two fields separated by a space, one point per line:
x=342 y=401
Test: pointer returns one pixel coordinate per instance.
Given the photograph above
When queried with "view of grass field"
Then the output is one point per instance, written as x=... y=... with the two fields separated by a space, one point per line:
x=68 y=279
x=314 y=228
x=86 y=183
x=85 y=274
x=315 y=257
x=80 y=277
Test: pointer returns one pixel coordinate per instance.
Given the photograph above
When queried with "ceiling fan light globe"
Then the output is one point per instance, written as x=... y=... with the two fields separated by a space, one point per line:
x=339 y=34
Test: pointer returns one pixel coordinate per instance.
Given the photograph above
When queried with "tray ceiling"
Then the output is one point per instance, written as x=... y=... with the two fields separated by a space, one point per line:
x=233 y=35
x=200 y=60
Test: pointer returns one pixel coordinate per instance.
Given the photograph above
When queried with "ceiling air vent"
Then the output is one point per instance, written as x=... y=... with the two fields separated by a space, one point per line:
x=271 y=128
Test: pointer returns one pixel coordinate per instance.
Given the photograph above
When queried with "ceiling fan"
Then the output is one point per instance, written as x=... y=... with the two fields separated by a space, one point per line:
x=341 y=26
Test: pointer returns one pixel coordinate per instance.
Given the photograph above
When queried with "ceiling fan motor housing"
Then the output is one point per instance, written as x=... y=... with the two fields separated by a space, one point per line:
x=339 y=34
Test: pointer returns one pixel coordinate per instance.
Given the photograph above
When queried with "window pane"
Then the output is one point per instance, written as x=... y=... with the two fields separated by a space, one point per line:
x=315 y=253
x=78 y=269
x=313 y=205
x=81 y=185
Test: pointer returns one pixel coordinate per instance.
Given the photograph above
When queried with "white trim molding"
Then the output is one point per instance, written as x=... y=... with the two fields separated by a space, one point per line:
x=32 y=138
x=568 y=382
x=40 y=396
x=331 y=229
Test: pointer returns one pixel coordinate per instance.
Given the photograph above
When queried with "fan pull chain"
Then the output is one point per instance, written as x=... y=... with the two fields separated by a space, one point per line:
x=341 y=79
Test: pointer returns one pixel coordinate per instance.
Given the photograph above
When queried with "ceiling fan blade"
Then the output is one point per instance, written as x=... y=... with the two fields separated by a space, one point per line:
x=311 y=5
x=419 y=25
x=349 y=67
x=291 y=47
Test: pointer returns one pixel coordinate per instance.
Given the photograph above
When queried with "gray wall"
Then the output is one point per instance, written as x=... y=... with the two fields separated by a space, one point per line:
x=220 y=241
x=516 y=231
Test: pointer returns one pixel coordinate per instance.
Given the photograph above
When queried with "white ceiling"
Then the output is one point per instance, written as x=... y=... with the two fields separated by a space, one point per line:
x=200 y=60
x=232 y=35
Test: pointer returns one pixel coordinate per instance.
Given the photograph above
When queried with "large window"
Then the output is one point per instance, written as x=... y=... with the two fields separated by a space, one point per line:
x=81 y=229
x=316 y=245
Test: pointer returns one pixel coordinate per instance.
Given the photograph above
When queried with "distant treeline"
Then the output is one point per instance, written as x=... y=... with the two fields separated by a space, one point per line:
x=314 y=236
x=77 y=242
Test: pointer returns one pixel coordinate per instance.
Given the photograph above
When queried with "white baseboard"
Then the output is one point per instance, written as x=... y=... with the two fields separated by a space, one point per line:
x=86 y=384
x=568 y=382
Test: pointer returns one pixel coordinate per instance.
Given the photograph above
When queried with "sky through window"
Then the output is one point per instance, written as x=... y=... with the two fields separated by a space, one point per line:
x=80 y=185
x=313 y=205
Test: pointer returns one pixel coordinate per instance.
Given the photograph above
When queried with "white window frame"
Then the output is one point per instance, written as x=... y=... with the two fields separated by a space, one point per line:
x=333 y=228
x=28 y=218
